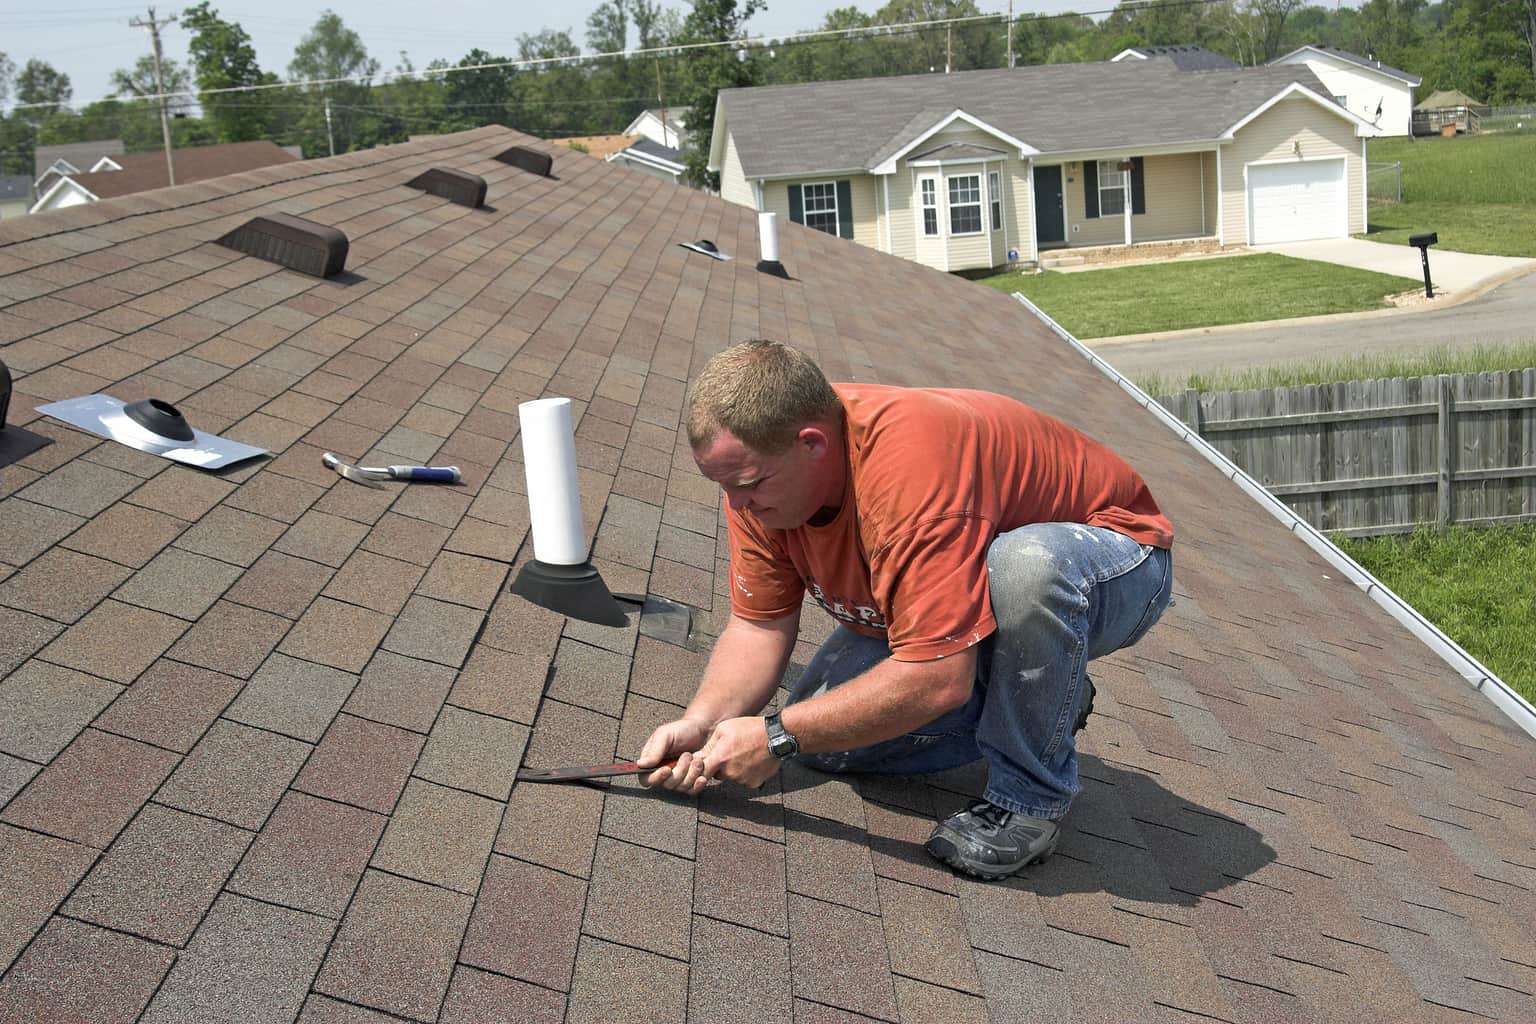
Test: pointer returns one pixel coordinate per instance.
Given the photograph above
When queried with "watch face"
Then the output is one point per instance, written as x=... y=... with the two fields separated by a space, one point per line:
x=782 y=746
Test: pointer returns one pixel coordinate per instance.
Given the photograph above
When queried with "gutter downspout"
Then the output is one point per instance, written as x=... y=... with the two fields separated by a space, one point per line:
x=1476 y=675
x=1221 y=212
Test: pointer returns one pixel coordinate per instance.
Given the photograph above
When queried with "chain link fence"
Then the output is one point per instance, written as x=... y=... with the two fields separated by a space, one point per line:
x=1511 y=119
x=1384 y=182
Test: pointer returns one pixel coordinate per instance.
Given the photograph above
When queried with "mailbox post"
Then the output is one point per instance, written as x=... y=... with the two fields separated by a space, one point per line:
x=1422 y=243
x=5 y=393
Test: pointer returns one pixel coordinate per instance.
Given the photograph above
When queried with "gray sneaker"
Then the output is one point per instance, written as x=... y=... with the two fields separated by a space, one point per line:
x=989 y=842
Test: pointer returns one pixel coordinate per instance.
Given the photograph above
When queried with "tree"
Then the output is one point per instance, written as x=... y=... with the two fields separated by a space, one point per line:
x=41 y=90
x=223 y=58
x=709 y=69
x=7 y=72
x=608 y=27
x=139 y=83
x=551 y=97
x=655 y=25
x=334 y=59
x=479 y=96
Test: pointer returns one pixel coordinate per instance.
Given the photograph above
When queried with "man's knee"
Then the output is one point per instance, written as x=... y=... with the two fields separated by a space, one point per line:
x=1024 y=573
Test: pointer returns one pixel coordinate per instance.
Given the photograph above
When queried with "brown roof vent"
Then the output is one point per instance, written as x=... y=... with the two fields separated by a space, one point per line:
x=456 y=186
x=302 y=245
x=529 y=160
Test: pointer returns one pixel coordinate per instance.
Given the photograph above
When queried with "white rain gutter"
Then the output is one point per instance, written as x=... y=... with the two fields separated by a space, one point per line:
x=1476 y=675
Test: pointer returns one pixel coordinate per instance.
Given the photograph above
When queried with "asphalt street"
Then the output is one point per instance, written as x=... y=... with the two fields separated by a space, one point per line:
x=1505 y=314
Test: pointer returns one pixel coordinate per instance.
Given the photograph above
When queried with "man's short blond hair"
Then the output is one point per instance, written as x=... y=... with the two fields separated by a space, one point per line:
x=763 y=392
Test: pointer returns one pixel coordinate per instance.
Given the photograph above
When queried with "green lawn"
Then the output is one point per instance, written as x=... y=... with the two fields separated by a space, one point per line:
x=1198 y=293
x=1477 y=192
x=1476 y=585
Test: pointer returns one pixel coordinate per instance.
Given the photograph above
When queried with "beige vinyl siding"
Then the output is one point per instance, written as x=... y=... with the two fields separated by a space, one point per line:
x=865 y=190
x=1269 y=137
x=967 y=252
x=1172 y=188
x=734 y=186
x=903 y=202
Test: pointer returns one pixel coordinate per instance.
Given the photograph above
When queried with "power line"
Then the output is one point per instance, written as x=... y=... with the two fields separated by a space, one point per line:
x=671 y=49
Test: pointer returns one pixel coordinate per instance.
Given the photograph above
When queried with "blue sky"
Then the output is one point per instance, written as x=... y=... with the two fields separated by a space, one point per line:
x=88 y=39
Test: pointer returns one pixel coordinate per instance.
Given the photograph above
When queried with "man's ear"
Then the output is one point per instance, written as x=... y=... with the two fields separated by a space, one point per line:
x=815 y=439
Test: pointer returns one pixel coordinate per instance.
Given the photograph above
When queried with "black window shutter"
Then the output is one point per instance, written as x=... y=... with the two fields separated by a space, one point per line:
x=796 y=205
x=1091 y=187
x=844 y=209
x=1138 y=186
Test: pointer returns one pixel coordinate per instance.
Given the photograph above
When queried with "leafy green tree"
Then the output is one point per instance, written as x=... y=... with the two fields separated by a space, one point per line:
x=18 y=140
x=139 y=83
x=7 y=72
x=41 y=91
x=1047 y=39
x=608 y=27
x=553 y=97
x=334 y=59
x=709 y=69
x=223 y=58
x=480 y=96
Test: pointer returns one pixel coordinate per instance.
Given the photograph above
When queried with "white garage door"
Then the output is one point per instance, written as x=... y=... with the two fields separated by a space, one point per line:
x=1293 y=202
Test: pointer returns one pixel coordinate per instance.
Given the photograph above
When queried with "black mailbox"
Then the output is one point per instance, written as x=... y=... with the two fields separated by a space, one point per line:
x=1422 y=242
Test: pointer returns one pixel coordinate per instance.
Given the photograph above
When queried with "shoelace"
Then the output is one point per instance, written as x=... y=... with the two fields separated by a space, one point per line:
x=995 y=816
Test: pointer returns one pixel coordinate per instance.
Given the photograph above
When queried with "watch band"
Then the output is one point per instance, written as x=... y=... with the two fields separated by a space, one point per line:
x=781 y=742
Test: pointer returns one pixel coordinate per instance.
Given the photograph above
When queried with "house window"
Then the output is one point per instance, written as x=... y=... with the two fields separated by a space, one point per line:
x=1342 y=101
x=1111 y=188
x=965 y=204
x=821 y=207
x=995 y=192
x=930 y=207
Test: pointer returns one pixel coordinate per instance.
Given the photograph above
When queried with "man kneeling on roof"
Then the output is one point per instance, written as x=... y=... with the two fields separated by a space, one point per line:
x=976 y=554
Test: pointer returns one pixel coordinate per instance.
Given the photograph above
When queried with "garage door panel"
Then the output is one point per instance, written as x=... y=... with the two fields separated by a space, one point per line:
x=1294 y=202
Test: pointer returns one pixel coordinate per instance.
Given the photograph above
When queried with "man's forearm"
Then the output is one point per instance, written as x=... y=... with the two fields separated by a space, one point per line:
x=745 y=669
x=891 y=699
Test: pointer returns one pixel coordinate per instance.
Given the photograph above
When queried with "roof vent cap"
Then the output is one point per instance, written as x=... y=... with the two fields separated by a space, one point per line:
x=529 y=160
x=316 y=249
x=453 y=185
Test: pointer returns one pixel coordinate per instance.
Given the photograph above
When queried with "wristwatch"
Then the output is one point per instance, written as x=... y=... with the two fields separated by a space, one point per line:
x=781 y=744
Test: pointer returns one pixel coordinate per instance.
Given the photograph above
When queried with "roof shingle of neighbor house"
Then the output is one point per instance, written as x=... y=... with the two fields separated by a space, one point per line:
x=143 y=171
x=258 y=728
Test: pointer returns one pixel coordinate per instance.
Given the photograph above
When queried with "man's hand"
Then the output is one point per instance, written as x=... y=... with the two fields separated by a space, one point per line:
x=681 y=739
x=738 y=752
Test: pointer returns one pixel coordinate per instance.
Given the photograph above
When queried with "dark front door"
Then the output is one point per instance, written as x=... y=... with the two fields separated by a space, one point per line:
x=1050 y=220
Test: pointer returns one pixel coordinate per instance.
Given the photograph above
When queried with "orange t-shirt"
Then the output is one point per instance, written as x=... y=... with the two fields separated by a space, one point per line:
x=934 y=476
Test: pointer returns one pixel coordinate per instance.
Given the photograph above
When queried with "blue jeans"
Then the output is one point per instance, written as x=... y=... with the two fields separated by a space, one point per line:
x=1062 y=594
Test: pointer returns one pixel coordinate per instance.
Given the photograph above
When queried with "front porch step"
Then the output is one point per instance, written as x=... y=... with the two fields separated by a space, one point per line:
x=1057 y=262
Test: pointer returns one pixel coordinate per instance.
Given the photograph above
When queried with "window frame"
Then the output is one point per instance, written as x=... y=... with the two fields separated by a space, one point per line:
x=822 y=210
x=966 y=206
x=1110 y=169
x=995 y=198
x=928 y=201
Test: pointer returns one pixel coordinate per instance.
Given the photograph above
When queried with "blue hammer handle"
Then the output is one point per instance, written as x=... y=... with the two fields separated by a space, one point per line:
x=440 y=474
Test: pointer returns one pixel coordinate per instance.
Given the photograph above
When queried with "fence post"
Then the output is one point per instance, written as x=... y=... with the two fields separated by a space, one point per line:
x=1447 y=428
x=1192 y=408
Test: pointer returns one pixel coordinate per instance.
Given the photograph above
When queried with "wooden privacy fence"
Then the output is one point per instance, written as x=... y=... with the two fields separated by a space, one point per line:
x=1383 y=456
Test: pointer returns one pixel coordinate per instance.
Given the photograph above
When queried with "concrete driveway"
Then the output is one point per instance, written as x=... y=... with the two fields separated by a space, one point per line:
x=1455 y=272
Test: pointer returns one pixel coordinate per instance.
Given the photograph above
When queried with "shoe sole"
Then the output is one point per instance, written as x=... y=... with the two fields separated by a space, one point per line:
x=988 y=873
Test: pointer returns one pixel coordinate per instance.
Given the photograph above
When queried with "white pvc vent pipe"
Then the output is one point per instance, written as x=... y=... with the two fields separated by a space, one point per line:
x=768 y=236
x=554 y=495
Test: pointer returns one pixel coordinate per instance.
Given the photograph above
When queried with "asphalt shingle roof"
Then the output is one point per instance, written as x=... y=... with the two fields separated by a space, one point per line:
x=1188 y=58
x=258 y=728
x=141 y=172
x=1359 y=61
x=1056 y=108
x=15 y=186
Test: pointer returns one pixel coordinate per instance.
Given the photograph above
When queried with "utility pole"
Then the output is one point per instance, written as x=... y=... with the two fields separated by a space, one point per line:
x=329 y=138
x=165 y=123
x=663 y=101
x=1010 y=33
x=949 y=46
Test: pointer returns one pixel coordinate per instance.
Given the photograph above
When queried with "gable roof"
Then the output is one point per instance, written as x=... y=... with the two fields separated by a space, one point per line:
x=1446 y=98
x=1185 y=58
x=1300 y=53
x=864 y=123
x=649 y=151
x=257 y=727
x=600 y=145
x=81 y=155
x=141 y=172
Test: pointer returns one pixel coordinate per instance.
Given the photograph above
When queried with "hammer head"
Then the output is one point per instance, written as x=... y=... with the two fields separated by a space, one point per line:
x=349 y=471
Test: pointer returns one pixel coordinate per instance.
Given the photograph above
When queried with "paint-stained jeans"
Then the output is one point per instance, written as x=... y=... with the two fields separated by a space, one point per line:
x=1062 y=594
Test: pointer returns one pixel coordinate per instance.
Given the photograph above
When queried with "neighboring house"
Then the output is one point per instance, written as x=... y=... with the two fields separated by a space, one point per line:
x=15 y=195
x=1450 y=107
x=50 y=163
x=1185 y=58
x=975 y=169
x=1379 y=93
x=139 y=172
x=651 y=157
x=666 y=126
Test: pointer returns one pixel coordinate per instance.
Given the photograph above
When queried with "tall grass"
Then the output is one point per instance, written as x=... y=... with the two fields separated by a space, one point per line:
x=1478 y=359
x=1464 y=168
